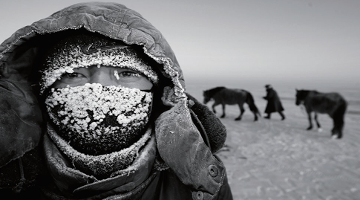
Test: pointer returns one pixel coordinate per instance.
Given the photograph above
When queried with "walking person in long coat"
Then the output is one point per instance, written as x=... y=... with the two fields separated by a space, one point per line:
x=273 y=103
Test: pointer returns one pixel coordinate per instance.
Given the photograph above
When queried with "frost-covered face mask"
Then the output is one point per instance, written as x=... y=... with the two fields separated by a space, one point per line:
x=96 y=119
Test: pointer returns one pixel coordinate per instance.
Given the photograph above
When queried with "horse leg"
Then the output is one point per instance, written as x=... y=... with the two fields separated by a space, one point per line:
x=255 y=114
x=242 y=110
x=223 y=108
x=339 y=116
x=310 y=121
x=317 y=122
x=338 y=126
x=268 y=116
x=333 y=130
x=213 y=107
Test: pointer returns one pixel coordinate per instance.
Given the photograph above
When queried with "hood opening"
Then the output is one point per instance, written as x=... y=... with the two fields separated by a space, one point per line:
x=47 y=40
x=38 y=47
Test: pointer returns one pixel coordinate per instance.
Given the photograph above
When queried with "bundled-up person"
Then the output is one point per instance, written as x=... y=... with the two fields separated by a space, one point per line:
x=93 y=106
x=273 y=103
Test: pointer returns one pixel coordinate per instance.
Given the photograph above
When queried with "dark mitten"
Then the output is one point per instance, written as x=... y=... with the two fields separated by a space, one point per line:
x=214 y=129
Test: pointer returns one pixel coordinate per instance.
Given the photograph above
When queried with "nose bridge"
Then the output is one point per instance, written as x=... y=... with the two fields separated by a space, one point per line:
x=102 y=76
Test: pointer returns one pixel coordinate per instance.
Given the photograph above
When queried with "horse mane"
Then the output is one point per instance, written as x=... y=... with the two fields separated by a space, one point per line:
x=305 y=93
x=308 y=91
x=246 y=91
x=212 y=91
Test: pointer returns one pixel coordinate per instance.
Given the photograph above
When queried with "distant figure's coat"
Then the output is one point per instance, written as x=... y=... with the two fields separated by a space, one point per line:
x=273 y=101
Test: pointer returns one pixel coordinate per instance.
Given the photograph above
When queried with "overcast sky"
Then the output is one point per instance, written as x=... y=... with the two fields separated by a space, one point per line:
x=290 y=40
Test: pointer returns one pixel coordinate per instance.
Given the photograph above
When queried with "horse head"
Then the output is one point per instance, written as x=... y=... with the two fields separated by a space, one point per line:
x=301 y=96
x=207 y=96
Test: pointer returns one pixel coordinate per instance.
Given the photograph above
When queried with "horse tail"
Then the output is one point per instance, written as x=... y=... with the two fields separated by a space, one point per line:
x=251 y=102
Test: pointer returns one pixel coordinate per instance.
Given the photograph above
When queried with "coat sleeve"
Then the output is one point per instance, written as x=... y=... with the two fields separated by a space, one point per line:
x=225 y=191
x=215 y=133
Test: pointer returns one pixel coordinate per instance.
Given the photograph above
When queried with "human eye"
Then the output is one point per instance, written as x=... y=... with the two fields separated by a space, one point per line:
x=131 y=78
x=72 y=75
x=73 y=78
x=129 y=75
x=77 y=77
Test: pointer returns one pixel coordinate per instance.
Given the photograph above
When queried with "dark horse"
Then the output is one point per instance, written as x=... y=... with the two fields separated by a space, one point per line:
x=223 y=95
x=332 y=104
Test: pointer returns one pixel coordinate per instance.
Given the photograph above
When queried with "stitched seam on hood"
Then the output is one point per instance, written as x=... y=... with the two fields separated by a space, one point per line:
x=12 y=44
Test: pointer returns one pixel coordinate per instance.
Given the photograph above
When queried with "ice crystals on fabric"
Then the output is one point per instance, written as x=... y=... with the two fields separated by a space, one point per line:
x=98 y=119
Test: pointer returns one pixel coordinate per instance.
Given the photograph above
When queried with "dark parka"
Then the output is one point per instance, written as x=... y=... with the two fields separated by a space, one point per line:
x=273 y=101
x=187 y=134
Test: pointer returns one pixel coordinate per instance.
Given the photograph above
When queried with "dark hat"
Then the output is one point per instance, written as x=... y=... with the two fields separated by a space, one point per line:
x=268 y=86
